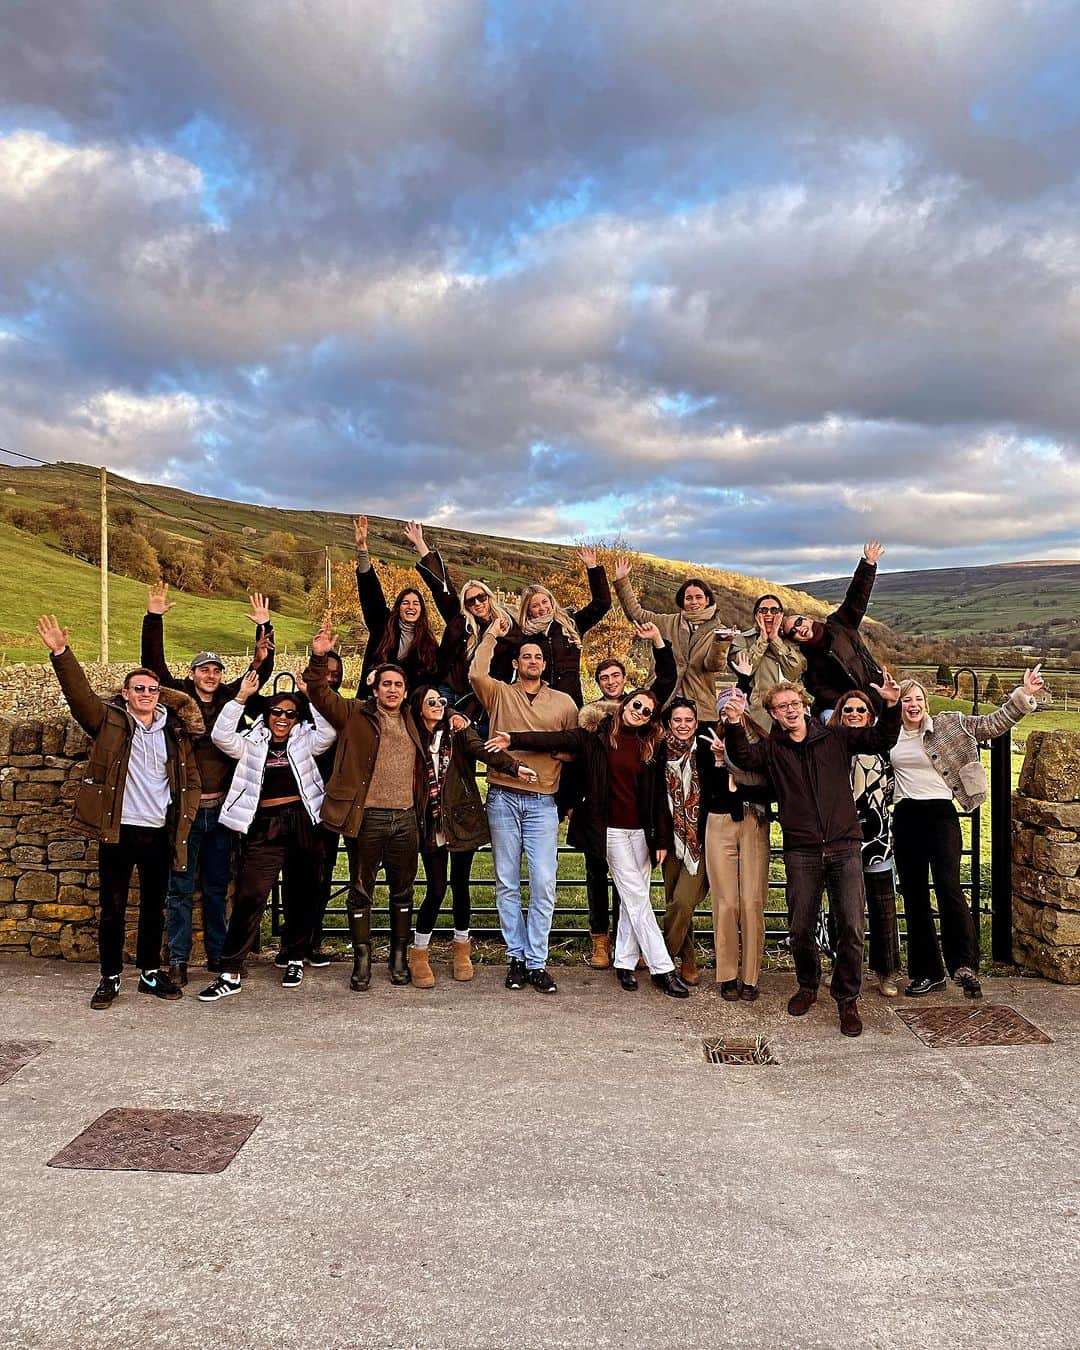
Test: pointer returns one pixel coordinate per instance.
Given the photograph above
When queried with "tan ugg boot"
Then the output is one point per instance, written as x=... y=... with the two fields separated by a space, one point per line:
x=601 y=951
x=462 y=961
x=420 y=972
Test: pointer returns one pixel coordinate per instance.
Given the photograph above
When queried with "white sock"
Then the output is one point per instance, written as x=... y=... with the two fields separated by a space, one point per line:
x=233 y=976
x=461 y=935
x=421 y=940
x=149 y=974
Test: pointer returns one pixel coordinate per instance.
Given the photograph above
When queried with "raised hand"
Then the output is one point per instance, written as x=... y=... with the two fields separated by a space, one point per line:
x=873 y=550
x=324 y=640
x=587 y=556
x=53 y=636
x=248 y=685
x=157 y=599
x=498 y=740
x=499 y=626
x=526 y=774
x=622 y=567
x=741 y=663
x=735 y=706
x=888 y=688
x=360 y=532
x=414 y=533
x=263 y=648
x=260 y=608
x=301 y=683
x=715 y=744
x=648 y=632
x=1033 y=680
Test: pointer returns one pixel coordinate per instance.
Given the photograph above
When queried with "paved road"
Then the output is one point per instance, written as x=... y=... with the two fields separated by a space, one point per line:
x=468 y=1167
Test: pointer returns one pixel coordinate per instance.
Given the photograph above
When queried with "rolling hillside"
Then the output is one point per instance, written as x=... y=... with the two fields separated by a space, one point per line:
x=40 y=576
x=1007 y=604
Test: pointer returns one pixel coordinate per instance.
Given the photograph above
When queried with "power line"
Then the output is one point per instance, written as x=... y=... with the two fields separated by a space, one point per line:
x=33 y=458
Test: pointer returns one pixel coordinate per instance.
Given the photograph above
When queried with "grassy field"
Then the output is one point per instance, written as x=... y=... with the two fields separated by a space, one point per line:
x=39 y=580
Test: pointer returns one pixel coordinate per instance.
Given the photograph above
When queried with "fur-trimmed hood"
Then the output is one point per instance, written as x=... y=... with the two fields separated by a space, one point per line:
x=592 y=714
x=176 y=701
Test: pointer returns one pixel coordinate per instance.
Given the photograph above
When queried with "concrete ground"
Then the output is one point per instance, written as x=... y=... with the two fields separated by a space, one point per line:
x=470 y=1167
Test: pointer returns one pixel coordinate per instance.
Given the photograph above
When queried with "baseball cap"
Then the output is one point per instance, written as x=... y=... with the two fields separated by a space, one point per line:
x=207 y=659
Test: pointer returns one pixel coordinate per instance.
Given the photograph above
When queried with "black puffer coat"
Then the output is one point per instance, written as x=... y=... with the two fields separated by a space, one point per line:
x=839 y=659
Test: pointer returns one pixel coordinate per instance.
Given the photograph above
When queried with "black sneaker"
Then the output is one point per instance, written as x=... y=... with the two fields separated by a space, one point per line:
x=294 y=974
x=920 y=988
x=318 y=958
x=968 y=981
x=542 y=982
x=516 y=975
x=106 y=991
x=280 y=960
x=221 y=988
x=156 y=982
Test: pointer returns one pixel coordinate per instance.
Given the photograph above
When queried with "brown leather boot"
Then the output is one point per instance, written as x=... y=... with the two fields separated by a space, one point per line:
x=800 y=1003
x=460 y=955
x=690 y=973
x=423 y=977
x=601 y=951
x=178 y=972
x=850 y=1021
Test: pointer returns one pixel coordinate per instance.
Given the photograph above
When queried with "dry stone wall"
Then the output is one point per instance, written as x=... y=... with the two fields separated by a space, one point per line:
x=1046 y=857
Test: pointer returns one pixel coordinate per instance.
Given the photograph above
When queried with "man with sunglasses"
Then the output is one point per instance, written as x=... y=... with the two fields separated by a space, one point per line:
x=138 y=799
x=808 y=765
x=209 y=854
x=764 y=656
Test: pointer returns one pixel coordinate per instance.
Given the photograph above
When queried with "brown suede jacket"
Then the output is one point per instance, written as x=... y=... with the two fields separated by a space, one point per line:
x=356 y=722
x=110 y=726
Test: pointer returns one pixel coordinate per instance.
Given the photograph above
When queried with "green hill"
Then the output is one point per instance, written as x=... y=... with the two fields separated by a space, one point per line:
x=41 y=577
x=1034 y=604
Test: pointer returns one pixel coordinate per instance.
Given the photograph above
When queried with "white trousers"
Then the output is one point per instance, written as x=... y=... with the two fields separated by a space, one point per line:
x=631 y=870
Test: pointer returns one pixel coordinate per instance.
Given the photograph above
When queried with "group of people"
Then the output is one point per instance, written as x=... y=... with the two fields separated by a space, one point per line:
x=683 y=773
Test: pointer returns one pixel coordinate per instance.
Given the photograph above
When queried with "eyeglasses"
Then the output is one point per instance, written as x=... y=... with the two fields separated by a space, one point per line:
x=768 y=609
x=475 y=599
x=290 y=714
x=856 y=709
x=784 y=707
x=434 y=701
x=144 y=688
x=639 y=707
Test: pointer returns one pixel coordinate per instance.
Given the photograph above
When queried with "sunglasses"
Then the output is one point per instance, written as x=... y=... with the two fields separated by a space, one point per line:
x=290 y=714
x=434 y=701
x=769 y=609
x=639 y=707
x=855 y=708
x=798 y=619
x=144 y=688
x=475 y=599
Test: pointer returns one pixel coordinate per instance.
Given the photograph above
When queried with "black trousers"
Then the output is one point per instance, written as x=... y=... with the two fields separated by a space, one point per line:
x=388 y=839
x=597 y=883
x=280 y=840
x=436 y=864
x=927 y=842
x=881 y=912
x=809 y=873
x=148 y=851
x=328 y=840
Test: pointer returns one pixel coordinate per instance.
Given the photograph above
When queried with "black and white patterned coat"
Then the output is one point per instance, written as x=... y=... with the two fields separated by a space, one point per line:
x=872 y=783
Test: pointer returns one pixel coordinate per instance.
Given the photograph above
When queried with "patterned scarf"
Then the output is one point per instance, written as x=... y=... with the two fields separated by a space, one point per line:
x=438 y=757
x=684 y=798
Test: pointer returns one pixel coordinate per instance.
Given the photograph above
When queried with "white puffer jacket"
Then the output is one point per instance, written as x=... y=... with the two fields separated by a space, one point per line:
x=250 y=748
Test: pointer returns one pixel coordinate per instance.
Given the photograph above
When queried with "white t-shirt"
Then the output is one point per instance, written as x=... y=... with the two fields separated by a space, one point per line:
x=916 y=777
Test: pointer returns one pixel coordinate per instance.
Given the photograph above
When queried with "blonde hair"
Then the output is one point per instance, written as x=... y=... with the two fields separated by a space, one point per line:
x=907 y=685
x=472 y=628
x=560 y=614
x=784 y=687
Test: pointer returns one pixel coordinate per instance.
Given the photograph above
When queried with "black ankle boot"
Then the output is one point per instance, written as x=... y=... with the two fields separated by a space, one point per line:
x=360 y=932
x=400 y=929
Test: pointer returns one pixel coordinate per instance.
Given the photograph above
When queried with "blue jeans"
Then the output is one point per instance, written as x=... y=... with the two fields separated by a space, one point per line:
x=524 y=822
x=209 y=857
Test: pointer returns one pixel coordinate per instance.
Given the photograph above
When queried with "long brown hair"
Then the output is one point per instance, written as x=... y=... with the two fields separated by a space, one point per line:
x=649 y=735
x=424 y=644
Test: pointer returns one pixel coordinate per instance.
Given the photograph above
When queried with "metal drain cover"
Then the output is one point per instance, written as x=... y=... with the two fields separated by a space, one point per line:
x=731 y=1050
x=14 y=1054
x=986 y=1025
x=133 y=1140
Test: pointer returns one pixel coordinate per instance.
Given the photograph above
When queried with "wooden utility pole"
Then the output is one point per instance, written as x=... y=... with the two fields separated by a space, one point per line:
x=104 y=569
x=328 y=573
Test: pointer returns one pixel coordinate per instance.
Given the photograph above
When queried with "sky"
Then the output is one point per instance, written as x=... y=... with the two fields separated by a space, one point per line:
x=742 y=282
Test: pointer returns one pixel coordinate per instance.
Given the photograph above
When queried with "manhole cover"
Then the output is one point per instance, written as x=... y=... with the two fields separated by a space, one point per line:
x=992 y=1025
x=728 y=1050
x=14 y=1054
x=132 y=1140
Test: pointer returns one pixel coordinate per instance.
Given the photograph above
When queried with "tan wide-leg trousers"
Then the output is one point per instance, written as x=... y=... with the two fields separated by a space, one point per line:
x=737 y=863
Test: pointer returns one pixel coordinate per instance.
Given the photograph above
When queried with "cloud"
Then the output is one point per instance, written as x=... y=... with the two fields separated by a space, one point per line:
x=745 y=290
